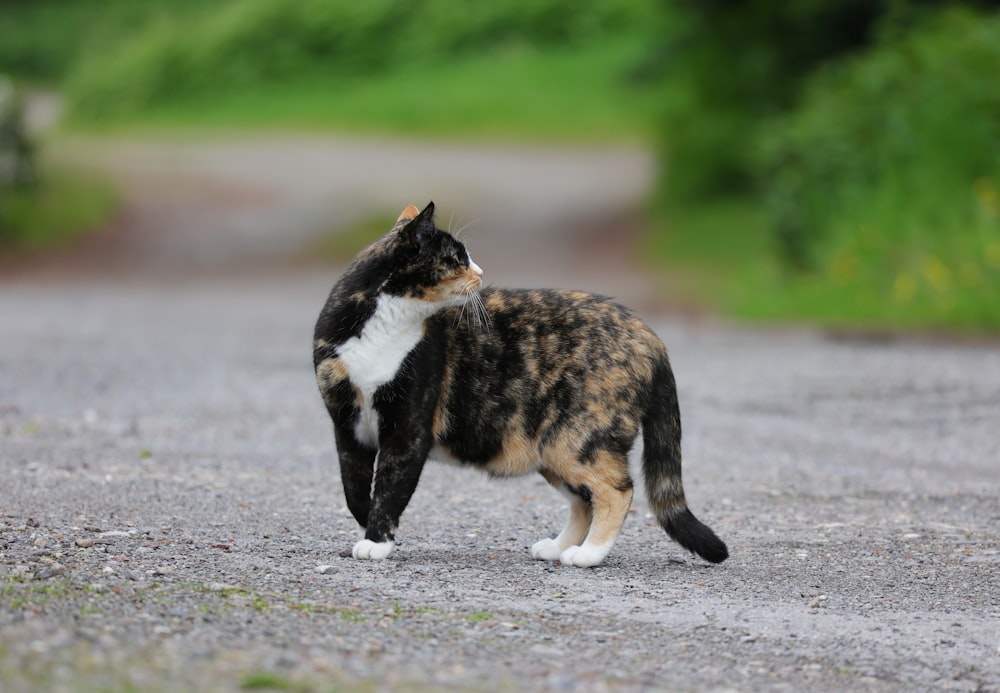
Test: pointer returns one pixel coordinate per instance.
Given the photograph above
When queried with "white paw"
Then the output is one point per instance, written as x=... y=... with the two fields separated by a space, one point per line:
x=546 y=550
x=585 y=556
x=366 y=549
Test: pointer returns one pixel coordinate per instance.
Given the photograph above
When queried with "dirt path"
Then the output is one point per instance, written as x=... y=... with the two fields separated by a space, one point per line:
x=249 y=204
x=171 y=518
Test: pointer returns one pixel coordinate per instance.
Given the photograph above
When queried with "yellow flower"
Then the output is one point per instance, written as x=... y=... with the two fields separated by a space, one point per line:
x=993 y=255
x=904 y=288
x=937 y=273
x=986 y=194
x=845 y=267
x=970 y=275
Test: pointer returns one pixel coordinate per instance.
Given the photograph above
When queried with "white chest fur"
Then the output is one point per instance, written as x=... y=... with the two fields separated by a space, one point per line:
x=373 y=358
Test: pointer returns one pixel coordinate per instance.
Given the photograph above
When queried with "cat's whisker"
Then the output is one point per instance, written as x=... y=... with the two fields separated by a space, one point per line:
x=459 y=300
x=462 y=229
x=479 y=309
x=472 y=312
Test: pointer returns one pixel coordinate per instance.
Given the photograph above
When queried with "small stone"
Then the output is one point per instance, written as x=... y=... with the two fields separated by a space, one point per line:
x=220 y=587
x=817 y=602
x=98 y=587
x=324 y=569
x=84 y=542
x=161 y=570
x=49 y=571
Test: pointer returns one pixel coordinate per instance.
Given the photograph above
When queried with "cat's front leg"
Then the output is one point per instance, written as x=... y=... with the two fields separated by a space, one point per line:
x=395 y=481
x=357 y=468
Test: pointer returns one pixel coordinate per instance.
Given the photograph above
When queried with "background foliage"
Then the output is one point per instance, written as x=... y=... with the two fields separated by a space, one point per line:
x=860 y=144
x=257 y=43
x=835 y=160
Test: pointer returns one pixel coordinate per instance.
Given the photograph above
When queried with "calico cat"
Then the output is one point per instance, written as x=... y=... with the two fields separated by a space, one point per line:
x=414 y=361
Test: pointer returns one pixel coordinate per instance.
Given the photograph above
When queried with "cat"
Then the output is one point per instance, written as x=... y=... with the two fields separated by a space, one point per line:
x=415 y=360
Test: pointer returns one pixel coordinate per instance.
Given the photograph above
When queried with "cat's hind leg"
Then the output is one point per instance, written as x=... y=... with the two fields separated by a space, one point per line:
x=607 y=487
x=576 y=528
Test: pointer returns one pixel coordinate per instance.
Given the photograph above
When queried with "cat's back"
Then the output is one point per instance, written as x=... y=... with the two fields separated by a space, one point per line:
x=555 y=325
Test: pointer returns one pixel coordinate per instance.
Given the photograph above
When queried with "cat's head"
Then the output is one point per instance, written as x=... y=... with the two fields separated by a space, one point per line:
x=418 y=260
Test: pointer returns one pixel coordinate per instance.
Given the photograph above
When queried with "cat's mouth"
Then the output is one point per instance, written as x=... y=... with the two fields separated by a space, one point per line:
x=469 y=281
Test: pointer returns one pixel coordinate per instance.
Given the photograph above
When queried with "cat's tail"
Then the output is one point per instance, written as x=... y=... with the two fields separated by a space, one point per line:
x=661 y=467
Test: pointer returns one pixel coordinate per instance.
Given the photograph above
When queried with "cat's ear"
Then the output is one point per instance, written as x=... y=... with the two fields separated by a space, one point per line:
x=408 y=214
x=420 y=229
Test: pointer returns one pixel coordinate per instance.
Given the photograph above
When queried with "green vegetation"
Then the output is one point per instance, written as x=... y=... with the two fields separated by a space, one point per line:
x=561 y=95
x=267 y=681
x=438 y=66
x=722 y=254
x=56 y=209
x=824 y=160
x=867 y=196
x=41 y=40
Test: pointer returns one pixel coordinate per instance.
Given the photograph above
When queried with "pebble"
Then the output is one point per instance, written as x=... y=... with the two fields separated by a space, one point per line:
x=324 y=569
x=49 y=571
x=84 y=542
x=221 y=587
x=817 y=602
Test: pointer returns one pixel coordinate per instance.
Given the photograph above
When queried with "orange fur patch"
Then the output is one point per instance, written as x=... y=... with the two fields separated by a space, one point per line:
x=410 y=212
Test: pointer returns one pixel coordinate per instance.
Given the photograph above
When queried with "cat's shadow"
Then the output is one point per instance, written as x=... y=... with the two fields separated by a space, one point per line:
x=518 y=560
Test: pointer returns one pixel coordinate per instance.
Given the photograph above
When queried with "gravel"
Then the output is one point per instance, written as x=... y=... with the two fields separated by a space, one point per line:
x=171 y=517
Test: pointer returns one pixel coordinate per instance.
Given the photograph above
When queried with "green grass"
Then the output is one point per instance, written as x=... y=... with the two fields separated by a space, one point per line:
x=343 y=244
x=551 y=95
x=720 y=254
x=267 y=681
x=58 y=209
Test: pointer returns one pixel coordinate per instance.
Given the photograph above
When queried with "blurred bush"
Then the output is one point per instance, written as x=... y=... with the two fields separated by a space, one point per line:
x=870 y=134
x=40 y=40
x=17 y=156
x=886 y=174
x=39 y=207
x=17 y=160
x=254 y=43
x=727 y=67
x=892 y=141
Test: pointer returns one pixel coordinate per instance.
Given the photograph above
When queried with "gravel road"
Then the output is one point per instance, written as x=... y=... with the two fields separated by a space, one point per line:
x=171 y=515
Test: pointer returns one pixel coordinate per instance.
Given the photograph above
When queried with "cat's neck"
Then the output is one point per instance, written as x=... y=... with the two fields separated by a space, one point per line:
x=400 y=314
x=393 y=330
